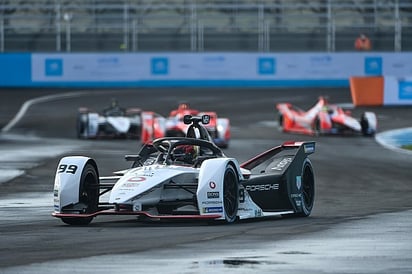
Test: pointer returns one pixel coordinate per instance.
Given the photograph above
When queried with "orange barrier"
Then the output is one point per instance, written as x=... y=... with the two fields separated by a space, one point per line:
x=367 y=91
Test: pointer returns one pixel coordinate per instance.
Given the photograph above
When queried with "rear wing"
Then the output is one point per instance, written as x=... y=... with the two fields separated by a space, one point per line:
x=305 y=148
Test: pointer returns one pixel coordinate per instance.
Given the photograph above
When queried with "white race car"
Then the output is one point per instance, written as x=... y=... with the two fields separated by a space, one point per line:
x=188 y=178
x=114 y=122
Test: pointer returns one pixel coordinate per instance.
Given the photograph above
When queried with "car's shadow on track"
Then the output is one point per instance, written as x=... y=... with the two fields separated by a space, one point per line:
x=108 y=222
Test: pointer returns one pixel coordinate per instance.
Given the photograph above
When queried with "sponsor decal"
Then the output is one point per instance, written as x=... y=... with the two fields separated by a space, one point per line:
x=309 y=148
x=111 y=60
x=149 y=174
x=265 y=187
x=137 y=179
x=245 y=209
x=129 y=185
x=160 y=66
x=373 y=65
x=266 y=66
x=298 y=182
x=321 y=60
x=212 y=209
x=405 y=90
x=212 y=202
x=212 y=194
x=212 y=185
x=53 y=67
x=214 y=59
x=137 y=207
x=295 y=195
x=242 y=196
x=258 y=213
x=282 y=164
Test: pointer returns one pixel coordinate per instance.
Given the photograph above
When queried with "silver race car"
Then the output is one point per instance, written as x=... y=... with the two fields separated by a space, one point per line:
x=114 y=122
x=188 y=178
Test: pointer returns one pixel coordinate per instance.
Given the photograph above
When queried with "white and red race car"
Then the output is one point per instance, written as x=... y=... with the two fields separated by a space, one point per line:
x=218 y=128
x=146 y=125
x=324 y=118
x=188 y=178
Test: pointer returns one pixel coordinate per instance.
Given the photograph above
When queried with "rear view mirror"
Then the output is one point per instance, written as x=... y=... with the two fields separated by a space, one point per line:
x=205 y=119
x=187 y=119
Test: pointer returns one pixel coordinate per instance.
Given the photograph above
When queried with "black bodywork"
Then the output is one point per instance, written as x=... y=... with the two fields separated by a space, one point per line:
x=282 y=178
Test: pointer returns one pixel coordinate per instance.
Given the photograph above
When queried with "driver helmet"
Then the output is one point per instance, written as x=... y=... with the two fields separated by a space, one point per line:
x=114 y=103
x=183 y=106
x=185 y=153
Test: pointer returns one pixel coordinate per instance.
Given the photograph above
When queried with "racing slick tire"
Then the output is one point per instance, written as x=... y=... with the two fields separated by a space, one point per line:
x=308 y=189
x=280 y=121
x=365 y=126
x=82 y=125
x=230 y=194
x=88 y=195
x=317 y=127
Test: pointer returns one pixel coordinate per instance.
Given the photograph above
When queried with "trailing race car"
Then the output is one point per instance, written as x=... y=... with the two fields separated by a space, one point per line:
x=114 y=121
x=218 y=128
x=324 y=118
x=189 y=178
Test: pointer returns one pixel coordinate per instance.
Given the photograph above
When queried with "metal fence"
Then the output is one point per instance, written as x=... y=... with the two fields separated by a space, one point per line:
x=190 y=25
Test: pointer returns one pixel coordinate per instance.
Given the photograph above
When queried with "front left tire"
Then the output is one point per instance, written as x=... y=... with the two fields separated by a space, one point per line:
x=88 y=196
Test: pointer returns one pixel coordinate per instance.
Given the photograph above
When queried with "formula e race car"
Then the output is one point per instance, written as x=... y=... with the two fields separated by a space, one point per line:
x=218 y=128
x=324 y=118
x=114 y=122
x=188 y=178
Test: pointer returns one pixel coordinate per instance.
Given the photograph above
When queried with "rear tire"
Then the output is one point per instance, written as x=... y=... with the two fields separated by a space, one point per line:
x=317 y=127
x=280 y=121
x=365 y=126
x=230 y=194
x=308 y=189
x=88 y=195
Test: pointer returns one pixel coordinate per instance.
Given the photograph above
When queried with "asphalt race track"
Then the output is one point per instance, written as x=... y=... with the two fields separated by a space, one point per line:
x=363 y=191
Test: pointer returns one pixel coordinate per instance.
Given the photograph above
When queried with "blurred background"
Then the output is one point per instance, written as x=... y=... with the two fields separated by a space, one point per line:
x=203 y=25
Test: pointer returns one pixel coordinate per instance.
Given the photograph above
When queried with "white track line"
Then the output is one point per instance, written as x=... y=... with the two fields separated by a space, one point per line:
x=38 y=100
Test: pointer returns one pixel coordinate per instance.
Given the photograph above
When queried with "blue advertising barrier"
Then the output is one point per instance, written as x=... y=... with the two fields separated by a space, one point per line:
x=222 y=69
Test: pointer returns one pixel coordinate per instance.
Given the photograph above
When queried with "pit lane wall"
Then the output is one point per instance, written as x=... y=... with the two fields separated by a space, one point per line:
x=203 y=69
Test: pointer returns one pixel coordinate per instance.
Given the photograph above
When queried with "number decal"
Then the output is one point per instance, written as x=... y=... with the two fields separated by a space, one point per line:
x=67 y=168
x=62 y=168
